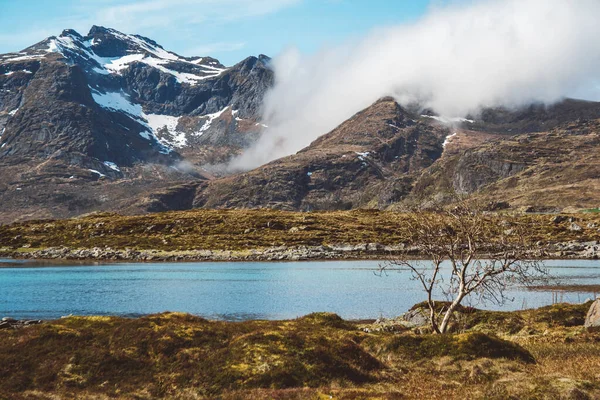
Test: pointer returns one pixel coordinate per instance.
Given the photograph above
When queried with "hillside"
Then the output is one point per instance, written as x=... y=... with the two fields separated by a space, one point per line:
x=370 y=160
x=89 y=122
x=545 y=171
x=489 y=355
x=270 y=235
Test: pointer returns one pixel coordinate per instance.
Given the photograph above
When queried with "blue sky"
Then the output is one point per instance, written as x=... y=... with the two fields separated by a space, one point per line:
x=229 y=30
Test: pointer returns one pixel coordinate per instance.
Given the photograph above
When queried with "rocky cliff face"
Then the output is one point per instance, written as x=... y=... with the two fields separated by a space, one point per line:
x=370 y=160
x=551 y=165
x=110 y=106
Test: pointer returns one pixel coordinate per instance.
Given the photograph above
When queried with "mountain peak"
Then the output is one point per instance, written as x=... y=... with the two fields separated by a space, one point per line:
x=72 y=33
x=96 y=29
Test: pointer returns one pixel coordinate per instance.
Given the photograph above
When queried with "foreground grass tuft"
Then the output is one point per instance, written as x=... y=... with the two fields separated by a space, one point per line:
x=466 y=346
x=541 y=353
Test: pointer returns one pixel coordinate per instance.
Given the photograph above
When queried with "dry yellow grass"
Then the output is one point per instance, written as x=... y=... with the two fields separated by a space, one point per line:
x=255 y=229
x=177 y=356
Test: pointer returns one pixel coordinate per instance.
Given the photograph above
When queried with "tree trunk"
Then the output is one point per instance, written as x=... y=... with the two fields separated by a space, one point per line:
x=432 y=319
x=448 y=315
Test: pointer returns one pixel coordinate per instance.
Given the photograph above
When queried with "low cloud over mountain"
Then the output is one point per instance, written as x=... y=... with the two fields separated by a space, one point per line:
x=455 y=60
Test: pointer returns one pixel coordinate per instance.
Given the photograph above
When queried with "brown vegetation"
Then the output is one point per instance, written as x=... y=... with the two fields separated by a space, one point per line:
x=541 y=353
x=256 y=229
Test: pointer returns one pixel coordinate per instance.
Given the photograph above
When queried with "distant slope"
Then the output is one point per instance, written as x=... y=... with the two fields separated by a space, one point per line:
x=368 y=161
x=553 y=167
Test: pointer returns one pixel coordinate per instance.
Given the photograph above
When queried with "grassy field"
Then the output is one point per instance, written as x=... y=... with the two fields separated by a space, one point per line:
x=533 y=354
x=256 y=229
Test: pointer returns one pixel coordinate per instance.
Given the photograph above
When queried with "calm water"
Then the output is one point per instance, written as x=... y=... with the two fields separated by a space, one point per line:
x=235 y=291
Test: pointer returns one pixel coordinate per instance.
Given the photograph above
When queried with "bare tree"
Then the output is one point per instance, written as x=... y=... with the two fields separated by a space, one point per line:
x=468 y=253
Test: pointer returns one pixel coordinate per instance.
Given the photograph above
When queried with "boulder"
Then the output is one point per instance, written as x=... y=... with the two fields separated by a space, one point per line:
x=559 y=219
x=416 y=318
x=592 y=320
x=575 y=228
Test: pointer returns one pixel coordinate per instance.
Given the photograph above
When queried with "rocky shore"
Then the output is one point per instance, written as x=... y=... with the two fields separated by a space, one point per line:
x=570 y=250
x=11 y=323
x=281 y=253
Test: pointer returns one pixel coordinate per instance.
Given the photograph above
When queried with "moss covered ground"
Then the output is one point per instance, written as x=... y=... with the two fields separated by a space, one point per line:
x=256 y=229
x=532 y=354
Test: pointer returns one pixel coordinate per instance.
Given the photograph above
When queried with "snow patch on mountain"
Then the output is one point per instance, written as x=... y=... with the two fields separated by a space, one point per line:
x=182 y=77
x=446 y=120
x=157 y=123
x=100 y=174
x=209 y=120
x=116 y=101
x=118 y=64
x=112 y=166
x=176 y=138
x=448 y=139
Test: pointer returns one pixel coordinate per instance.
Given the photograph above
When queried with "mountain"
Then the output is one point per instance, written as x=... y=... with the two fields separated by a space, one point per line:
x=88 y=122
x=536 y=158
x=370 y=160
x=115 y=122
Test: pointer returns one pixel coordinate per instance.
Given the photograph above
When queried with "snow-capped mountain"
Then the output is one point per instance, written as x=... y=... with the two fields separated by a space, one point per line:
x=169 y=101
x=114 y=108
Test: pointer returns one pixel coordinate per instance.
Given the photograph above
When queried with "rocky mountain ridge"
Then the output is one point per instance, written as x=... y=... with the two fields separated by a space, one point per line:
x=368 y=161
x=145 y=88
x=114 y=122
x=107 y=108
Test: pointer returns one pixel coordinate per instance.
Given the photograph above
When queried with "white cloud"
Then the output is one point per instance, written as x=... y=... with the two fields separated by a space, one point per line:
x=456 y=59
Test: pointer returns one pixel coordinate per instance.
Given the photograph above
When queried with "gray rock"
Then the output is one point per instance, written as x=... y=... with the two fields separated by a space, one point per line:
x=575 y=228
x=559 y=218
x=592 y=320
x=374 y=247
x=416 y=318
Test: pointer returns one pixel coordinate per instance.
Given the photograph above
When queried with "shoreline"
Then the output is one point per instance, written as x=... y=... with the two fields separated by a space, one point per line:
x=572 y=250
x=21 y=322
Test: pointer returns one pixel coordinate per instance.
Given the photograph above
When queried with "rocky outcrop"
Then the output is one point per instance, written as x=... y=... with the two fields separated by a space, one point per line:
x=81 y=113
x=592 y=320
x=370 y=160
x=175 y=198
x=477 y=169
x=11 y=323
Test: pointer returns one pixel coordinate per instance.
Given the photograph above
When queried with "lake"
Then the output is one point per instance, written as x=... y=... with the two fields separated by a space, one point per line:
x=239 y=291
